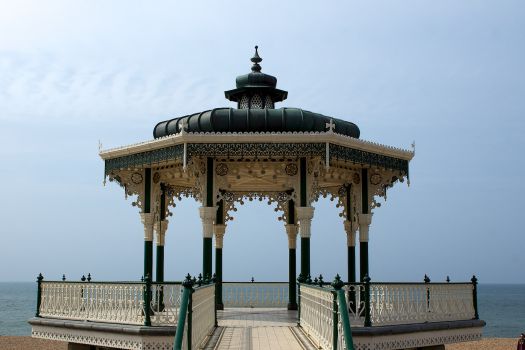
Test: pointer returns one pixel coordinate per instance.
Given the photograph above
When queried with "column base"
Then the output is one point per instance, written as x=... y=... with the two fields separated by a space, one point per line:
x=292 y=306
x=219 y=307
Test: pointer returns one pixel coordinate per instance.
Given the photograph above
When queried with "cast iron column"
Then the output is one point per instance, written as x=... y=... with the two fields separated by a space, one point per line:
x=291 y=232
x=207 y=214
x=219 y=229
x=147 y=221
x=365 y=218
x=304 y=217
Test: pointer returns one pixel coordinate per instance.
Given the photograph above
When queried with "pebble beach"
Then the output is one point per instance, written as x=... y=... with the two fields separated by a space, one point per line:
x=28 y=343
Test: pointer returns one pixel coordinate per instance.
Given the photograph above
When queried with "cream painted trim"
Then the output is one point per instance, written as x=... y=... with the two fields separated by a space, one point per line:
x=277 y=137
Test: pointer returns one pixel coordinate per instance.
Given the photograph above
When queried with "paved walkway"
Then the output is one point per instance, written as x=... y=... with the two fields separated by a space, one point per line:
x=258 y=329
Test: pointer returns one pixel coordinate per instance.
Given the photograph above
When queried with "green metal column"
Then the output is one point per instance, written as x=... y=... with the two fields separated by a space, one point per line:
x=159 y=275
x=351 y=248
x=363 y=246
x=148 y=244
x=207 y=254
x=305 y=241
x=218 y=258
x=292 y=261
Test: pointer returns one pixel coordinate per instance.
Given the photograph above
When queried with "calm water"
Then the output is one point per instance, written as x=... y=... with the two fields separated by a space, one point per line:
x=502 y=306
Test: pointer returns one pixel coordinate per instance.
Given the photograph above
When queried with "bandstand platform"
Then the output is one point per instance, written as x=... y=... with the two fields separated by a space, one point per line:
x=289 y=158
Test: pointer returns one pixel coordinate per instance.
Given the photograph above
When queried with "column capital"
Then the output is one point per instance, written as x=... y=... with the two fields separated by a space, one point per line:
x=147 y=220
x=350 y=229
x=219 y=231
x=160 y=230
x=364 y=225
x=207 y=215
x=304 y=217
x=291 y=232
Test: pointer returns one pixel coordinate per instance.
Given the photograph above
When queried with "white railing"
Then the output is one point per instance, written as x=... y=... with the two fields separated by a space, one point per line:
x=255 y=294
x=165 y=303
x=202 y=314
x=317 y=314
x=102 y=302
x=113 y=302
x=356 y=304
x=400 y=303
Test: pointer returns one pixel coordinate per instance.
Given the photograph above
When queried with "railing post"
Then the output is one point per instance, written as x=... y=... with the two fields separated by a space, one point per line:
x=474 y=281
x=38 y=294
x=186 y=295
x=214 y=281
x=300 y=279
x=366 y=282
x=190 y=316
x=426 y=279
x=337 y=284
x=147 y=300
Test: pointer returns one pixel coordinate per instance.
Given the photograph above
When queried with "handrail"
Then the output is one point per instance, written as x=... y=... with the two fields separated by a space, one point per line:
x=179 y=334
x=196 y=306
x=345 y=319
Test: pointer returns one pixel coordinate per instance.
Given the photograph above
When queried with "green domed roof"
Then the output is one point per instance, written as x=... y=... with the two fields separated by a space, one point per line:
x=256 y=95
x=254 y=120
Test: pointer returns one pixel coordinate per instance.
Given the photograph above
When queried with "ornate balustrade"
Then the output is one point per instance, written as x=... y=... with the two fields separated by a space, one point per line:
x=402 y=303
x=255 y=294
x=324 y=315
x=112 y=302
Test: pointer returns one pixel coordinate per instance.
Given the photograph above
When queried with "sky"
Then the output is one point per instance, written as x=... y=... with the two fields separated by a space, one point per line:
x=449 y=75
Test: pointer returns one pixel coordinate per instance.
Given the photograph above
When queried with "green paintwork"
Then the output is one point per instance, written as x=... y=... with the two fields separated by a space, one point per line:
x=209 y=182
x=147 y=300
x=162 y=202
x=302 y=181
x=351 y=276
x=363 y=246
x=345 y=320
x=207 y=256
x=335 y=321
x=220 y=213
x=292 y=271
x=474 y=281
x=148 y=258
x=183 y=312
x=366 y=282
x=147 y=190
x=218 y=279
x=305 y=256
x=254 y=120
x=363 y=260
x=39 y=294
x=160 y=264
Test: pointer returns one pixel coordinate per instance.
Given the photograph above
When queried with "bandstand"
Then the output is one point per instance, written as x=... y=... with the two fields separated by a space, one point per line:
x=289 y=158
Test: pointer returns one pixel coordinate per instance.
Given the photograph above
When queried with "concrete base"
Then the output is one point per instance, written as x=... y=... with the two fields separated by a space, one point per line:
x=82 y=335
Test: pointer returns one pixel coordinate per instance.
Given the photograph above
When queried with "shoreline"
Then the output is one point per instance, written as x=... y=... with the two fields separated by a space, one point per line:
x=25 y=342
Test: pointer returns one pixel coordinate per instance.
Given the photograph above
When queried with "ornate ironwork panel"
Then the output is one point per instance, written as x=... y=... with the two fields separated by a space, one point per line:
x=363 y=157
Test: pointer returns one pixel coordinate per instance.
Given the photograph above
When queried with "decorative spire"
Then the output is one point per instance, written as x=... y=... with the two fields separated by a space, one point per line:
x=256 y=59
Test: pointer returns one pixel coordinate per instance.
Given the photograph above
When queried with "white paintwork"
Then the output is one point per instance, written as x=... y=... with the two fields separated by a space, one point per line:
x=147 y=220
x=304 y=217
x=219 y=231
x=364 y=226
x=317 y=315
x=291 y=233
x=207 y=215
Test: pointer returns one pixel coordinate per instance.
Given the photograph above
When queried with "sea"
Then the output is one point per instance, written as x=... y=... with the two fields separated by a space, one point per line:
x=502 y=306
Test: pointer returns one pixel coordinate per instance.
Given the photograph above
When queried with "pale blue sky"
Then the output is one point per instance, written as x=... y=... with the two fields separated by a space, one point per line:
x=448 y=74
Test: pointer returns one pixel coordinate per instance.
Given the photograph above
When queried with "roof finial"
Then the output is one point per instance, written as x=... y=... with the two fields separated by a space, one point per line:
x=256 y=68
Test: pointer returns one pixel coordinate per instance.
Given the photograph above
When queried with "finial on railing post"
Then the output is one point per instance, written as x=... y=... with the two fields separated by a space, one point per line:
x=316 y=281
x=337 y=283
x=142 y=278
x=39 y=293
x=426 y=279
x=474 y=281
x=366 y=282
x=63 y=277
x=188 y=282
x=83 y=278
x=301 y=278
x=89 y=277
x=321 y=280
x=448 y=279
x=199 y=280
x=308 y=279
x=253 y=279
x=214 y=278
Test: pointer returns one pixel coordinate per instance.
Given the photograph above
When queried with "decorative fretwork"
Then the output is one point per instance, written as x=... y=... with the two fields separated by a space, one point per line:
x=165 y=303
x=255 y=294
x=266 y=150
x=363 y=157
x=145 y=158
x=279 y=198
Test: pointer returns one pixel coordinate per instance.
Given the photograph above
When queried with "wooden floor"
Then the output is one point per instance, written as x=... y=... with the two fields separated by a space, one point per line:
x=257 y=329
